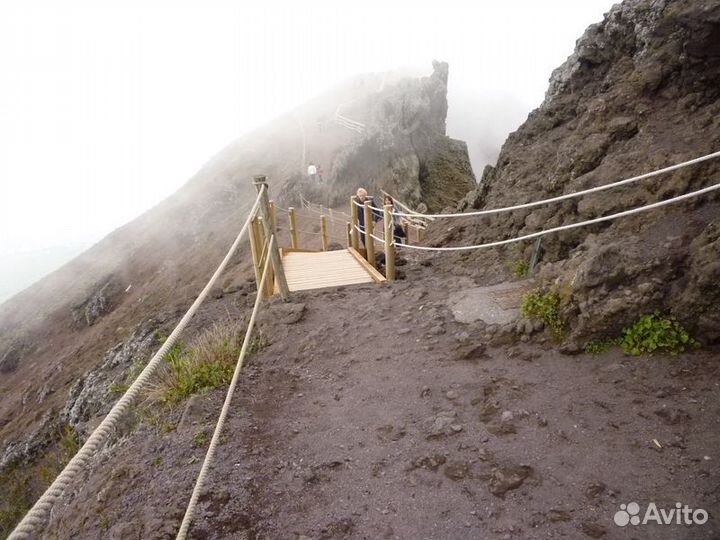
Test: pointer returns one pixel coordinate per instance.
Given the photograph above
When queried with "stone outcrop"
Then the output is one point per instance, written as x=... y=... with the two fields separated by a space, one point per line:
x=404 y=149
x=641 y=91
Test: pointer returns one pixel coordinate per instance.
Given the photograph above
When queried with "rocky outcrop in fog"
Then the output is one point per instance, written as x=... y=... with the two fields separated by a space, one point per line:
x=403 y=150
x=641 y=91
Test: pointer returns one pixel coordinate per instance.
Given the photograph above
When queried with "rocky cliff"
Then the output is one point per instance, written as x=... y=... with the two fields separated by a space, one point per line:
x=403 y=149
x=641 y=91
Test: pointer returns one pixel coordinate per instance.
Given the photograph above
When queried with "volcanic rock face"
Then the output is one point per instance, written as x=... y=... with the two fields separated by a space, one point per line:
x=640 y=92
x=403 y=150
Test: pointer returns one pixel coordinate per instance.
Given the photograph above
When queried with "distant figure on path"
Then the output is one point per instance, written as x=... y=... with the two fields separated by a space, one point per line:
x=312 y=171
x=363 y=196
x=399 y=232
x=319 y=173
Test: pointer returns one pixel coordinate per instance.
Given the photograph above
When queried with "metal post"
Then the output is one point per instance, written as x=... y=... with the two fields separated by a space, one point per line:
x=369 y=243
x=324 y=232
x=274 y=253
x=293 y=227
x=389 y=245
x=354 y=222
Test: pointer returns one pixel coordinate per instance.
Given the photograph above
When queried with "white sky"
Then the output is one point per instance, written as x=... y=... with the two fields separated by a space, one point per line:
x=107 y=108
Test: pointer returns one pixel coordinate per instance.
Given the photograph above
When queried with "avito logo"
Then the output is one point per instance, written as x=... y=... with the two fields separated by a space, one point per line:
x=629 y=514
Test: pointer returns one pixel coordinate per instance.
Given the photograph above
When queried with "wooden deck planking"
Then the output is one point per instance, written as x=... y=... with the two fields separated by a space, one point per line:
x=306 y=271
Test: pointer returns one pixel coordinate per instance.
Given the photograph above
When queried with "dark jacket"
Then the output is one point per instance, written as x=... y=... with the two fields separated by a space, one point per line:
x=376 y=214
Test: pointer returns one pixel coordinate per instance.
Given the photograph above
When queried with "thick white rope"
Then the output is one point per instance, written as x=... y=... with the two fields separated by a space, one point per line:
x=405 y=207
x=382 y=240
x=200 y=482
x=307 y=204
x=567 y=195
x=38 y=514
x=570 y=226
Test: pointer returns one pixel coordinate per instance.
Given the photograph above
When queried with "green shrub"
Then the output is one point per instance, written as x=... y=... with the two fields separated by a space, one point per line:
x=649 y=334
x=656 y=333
x=208 y=362
x=545 y=305
x=520 y=268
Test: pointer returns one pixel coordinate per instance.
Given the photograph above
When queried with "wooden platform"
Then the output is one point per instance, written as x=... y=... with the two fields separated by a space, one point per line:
x=306 y=270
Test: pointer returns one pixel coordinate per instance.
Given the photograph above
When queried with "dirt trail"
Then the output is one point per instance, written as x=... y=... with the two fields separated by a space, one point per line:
x=374 y=414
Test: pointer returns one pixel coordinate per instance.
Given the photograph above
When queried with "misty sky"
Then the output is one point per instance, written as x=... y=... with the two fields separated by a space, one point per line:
x=109 y=107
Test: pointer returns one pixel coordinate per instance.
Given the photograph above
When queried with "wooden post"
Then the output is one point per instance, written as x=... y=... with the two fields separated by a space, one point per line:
x=264 y=249
x=293 y=227
x=274 y=253
x=418 y=233
x=349 y=235
x=354 y=222
x=253 y=234
x=323 y=232
x=389 y=246
x=369 y=242
x=273 y=217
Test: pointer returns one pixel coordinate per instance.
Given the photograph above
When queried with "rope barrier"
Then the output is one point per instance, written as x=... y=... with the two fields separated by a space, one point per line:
x=38 y=514
x=570 y=226
x=569 y=195
x=361 y=231
x=307 y=204
x=405 y=207
x=210 y=455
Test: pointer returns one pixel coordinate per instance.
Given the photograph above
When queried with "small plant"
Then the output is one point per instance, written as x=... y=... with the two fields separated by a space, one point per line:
x=200 y=439
x=208 y=362
x=600 y=346
x=156 y=461
x=545 y=305
x=128 y=377
x=520 y=268
x=656 y=333
x=70 y=443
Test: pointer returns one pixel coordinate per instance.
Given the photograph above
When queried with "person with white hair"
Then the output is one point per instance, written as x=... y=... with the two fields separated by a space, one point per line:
x=362 y=197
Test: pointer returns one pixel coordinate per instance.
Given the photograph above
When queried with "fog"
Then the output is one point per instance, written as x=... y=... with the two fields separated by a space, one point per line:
x=107 y=108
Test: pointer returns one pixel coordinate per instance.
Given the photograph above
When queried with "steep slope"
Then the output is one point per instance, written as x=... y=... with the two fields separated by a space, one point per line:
x=640 y=92
x=64 y=341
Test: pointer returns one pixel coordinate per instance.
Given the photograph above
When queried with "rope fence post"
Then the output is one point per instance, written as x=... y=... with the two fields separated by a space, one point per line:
x=389 y=245
x=324 y=232
x=273 y=251
x=293 y=227
x=354 y=222
x=368 y=230
x=420 y=234
x=255 y=249
x=273 y=217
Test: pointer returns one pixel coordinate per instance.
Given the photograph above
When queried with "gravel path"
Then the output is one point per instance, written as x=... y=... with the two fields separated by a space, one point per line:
x=374 y=414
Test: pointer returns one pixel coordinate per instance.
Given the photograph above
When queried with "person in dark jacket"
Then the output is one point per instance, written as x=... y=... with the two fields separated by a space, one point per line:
x=399 y=232
x=362 y=196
